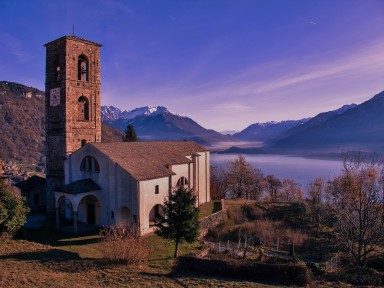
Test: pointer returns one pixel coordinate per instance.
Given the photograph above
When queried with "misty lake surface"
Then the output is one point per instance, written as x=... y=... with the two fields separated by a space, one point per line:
x=301 y=170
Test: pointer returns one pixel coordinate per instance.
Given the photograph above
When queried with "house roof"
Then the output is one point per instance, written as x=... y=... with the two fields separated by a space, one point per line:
x=31 y=182
x=149 y=160
x=79 y=186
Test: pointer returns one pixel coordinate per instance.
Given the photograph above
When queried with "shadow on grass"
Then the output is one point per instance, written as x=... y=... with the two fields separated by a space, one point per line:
x=216 y=206
x=57 y=260
x=59 y=239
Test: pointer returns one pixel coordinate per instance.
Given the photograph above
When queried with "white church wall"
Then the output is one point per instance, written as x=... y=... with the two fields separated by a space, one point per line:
x=203 y=177
x=149 y=198
x=182 y=170
x=124 y=204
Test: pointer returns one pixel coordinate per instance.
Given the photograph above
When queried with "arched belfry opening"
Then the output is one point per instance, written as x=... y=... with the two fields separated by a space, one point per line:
x=82 y=109
x=82 y=68
x=57 y=68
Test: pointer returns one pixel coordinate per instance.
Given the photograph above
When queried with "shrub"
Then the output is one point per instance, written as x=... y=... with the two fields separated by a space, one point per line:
x=13 y=211
x=123 y=244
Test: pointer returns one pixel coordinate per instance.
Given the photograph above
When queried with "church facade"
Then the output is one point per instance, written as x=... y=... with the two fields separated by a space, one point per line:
x=106 y=183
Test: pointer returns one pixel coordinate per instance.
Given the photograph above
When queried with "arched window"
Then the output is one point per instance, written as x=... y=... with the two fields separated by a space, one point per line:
x=182 y=181
x=57 y=69
x=82 y=109
x=82 y=68
x=89 y=164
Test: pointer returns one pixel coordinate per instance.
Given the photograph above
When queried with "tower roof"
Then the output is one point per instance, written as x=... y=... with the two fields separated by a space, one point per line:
x=74 y=38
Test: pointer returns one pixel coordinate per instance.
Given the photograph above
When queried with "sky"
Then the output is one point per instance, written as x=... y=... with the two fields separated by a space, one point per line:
x=224 y=63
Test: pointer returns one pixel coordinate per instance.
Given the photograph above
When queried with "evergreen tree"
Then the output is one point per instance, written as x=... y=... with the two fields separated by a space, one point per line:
x=180 y=222
x=130 y=134
x=13 y=211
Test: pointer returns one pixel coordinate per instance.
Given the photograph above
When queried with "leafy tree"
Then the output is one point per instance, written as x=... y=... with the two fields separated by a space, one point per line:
x=356 y=202
x=273 y=185
x=180 y=222
x=13 y=211
x=130 y=134
x=242 y=178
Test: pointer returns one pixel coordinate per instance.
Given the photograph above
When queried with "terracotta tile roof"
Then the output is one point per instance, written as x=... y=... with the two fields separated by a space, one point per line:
x=149 y=160
x=79 y=186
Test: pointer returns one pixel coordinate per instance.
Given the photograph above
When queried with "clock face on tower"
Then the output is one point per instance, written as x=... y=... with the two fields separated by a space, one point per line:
x=54 y=97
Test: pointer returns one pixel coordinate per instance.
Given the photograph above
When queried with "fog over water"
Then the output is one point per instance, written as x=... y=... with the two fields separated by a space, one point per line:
x=301 y=170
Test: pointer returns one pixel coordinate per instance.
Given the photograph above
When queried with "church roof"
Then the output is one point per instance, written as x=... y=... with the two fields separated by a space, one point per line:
x=79 y=186
x=149 y=160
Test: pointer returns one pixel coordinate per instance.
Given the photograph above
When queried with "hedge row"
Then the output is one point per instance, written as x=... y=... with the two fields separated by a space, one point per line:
x=282 y=274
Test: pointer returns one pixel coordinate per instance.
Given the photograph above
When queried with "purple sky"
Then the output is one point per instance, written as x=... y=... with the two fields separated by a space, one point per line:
x=225 y=64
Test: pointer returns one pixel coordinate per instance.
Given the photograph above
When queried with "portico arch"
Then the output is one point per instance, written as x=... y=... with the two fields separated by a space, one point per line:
x=82 y=195
x=156 y=214
x=123 y=215
x=64 y=211
x=88 y=210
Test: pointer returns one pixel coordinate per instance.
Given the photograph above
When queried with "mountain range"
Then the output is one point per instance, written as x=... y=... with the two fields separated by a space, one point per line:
x=268 y=130
x=352 y=127
x=158 y=123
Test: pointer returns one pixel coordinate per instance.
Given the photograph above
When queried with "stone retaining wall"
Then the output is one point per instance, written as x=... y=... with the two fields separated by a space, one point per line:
x=213 y=220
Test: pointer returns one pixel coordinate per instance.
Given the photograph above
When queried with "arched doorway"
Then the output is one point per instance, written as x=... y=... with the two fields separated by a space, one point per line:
x=88 y=210
x=65 y=212
x=124 y=215
x=156 y=214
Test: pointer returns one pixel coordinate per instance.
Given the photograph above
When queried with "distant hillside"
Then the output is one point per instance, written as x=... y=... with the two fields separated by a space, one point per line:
x=21 y=123
x=157 y=123
x=267 y=131
x=22 y=133
x=354 y=127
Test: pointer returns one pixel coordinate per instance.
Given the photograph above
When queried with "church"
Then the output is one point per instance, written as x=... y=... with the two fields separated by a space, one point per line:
x=98 y=183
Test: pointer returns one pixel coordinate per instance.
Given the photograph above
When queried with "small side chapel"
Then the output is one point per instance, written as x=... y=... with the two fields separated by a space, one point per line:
x=100 y=183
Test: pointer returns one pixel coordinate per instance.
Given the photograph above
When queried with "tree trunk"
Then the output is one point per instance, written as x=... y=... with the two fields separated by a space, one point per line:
x=176 y=249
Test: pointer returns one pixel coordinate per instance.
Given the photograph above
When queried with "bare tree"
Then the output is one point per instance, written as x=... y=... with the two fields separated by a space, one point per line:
x=240 y=177
x=315 y=199
x=290 y=191
x=316 y=191
x=218 y=182
x=356 y=201
x=258 y=185
x=273 y=185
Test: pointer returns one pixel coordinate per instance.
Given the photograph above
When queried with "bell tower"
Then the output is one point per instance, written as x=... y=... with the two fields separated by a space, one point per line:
x=72 y=103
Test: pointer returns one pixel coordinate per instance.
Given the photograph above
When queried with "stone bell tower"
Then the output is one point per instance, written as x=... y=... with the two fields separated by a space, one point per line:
x=72 y=103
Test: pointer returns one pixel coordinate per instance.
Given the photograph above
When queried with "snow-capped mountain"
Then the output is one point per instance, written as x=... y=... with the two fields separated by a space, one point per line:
x=111 y=113
x=267 y=130
x=158 y=123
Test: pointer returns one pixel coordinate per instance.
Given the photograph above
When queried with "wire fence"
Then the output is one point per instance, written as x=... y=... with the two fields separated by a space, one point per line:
x=248 y=245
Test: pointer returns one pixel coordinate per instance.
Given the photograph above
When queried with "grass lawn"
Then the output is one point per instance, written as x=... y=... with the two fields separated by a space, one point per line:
x=76 y=262
x=209 y=208
x=53 y=259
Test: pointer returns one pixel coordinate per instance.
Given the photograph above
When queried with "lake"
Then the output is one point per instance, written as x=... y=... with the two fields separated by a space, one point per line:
x=301 y=170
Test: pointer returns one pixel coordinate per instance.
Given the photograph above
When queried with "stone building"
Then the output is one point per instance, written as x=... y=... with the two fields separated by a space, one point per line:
x=106 y=183
x=72 y=103
x=33 y=189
